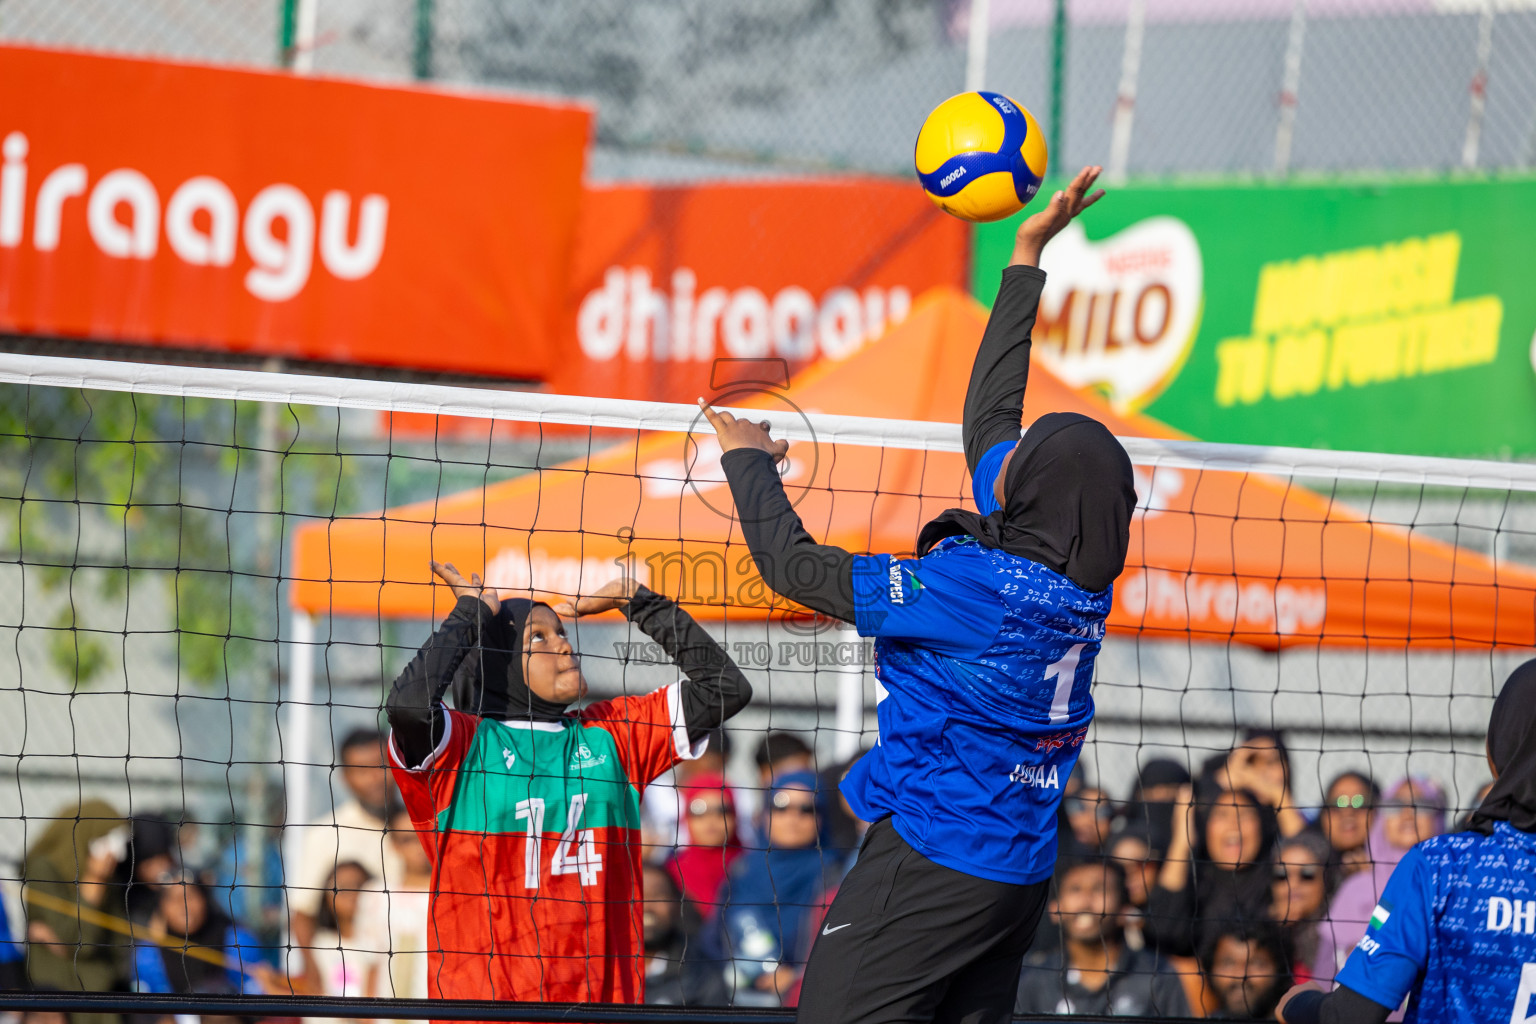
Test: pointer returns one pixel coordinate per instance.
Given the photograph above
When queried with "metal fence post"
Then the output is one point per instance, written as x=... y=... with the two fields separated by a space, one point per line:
x=1479 y=90
x=297 y=29
x=1290 y=85
x=421 y=55
x=1125 y=99
x=285 y=27
x=1058 y=66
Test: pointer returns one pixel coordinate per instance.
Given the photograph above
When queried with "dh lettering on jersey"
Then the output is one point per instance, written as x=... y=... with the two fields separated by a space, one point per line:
x=1511 y=915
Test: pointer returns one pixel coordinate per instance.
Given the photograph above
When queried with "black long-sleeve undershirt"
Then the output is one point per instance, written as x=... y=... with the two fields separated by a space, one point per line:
x=714 y=688
x=819 y=576
x=1341 y=1006
x=414 y=705
x=994 y=401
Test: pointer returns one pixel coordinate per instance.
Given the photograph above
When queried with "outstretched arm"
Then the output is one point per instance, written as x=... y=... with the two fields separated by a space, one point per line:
x=414 y=706
x=994 y=401
x=714 y=688
x=1379 y=974
x=819 y=576
x=1308 y=1004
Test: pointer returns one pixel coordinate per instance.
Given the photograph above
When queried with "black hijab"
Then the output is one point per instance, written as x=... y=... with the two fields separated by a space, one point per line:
x=489 y=682
x=1224 y=893
x=189 y=973
x=1512 y=746
x=1068 y=499
x=1160 y=771
x=1155 y=817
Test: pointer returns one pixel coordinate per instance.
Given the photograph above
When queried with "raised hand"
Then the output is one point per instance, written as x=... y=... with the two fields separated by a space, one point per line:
x=1058 y=213
x=1174 y=874
x=613 y=594
x=1183 y=825
x=461 y=587
x=735 y=433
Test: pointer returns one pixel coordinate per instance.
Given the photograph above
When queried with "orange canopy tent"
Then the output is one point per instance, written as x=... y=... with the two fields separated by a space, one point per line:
x=1214 y=554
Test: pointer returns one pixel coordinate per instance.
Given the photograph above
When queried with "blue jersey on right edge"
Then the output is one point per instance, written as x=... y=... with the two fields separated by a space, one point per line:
x=983 y=662
x=1456 y=926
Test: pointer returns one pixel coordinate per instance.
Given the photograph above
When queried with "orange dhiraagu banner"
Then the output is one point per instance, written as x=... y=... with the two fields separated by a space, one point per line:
x=247 y=211
x=667 y=280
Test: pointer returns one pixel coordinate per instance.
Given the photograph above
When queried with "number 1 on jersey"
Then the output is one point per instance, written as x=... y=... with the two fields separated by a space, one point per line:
x=533 y=810
x=1065 y=671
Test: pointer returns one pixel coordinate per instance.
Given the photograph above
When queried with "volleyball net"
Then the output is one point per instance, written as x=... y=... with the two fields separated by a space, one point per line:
x=210 y=578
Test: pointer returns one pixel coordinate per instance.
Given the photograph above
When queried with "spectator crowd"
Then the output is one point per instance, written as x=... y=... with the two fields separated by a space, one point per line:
x=1201 y=894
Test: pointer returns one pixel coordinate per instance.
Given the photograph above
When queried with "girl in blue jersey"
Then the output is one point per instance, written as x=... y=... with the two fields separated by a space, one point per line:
x=984 y=645
x=1455 y=928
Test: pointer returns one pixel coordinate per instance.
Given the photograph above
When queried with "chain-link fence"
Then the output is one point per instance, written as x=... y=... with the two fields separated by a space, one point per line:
x=704 y=87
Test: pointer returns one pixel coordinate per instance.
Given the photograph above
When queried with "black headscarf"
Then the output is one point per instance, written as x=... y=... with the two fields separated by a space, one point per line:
x=1512 y=746
x=1233 y=893
x=1155 y=817
x=1068 y=499
x=1160 y=771
x=489 y=682
x=190 y=974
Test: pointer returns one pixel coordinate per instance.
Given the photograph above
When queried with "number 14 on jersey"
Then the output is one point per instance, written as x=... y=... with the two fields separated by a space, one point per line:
x=575 y=853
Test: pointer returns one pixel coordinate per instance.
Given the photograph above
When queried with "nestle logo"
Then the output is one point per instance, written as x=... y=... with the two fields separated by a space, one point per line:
x=952 y=176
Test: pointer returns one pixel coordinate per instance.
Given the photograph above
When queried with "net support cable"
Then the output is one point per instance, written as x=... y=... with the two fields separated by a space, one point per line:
x=866 y=431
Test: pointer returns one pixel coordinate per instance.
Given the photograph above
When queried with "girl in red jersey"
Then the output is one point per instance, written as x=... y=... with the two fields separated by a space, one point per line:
x=531 y=811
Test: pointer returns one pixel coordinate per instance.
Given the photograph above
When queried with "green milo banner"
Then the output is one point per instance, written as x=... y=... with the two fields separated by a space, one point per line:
x=1378 y=316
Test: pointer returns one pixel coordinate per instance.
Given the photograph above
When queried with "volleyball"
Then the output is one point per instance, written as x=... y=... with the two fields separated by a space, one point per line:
x=980 y=156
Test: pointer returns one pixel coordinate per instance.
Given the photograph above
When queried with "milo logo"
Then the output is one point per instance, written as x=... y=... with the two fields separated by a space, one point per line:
x=1119 y=315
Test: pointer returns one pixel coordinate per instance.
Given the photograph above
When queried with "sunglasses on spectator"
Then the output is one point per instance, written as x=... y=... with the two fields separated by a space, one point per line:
x=698 y=807
x=1347 y=802
x=786 y=802
x=1308 y=872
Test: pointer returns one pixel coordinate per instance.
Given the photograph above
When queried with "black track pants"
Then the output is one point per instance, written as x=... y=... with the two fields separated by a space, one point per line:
x=909 y=940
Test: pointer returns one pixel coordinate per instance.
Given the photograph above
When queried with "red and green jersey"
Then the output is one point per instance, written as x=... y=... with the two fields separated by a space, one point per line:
x=534 y=833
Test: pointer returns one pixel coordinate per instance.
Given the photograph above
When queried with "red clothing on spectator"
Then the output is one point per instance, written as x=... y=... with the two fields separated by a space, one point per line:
x=699 y=870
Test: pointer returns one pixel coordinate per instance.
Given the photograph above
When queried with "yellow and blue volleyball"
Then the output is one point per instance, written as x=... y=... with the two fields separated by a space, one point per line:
x=980 y=156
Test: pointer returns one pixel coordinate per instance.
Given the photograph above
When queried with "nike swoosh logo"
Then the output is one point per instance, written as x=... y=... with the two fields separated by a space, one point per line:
x=828 y=929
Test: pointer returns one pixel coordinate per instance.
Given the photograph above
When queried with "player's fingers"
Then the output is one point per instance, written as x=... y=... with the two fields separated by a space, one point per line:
x=474 y=580
x=715 y=419
x=779 y=450
x=566 y=610
x=1080 y=186
x=767 y=427
x=1091 y=200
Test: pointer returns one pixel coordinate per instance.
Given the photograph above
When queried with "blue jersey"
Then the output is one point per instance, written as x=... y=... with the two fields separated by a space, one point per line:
x=983 y=662
x=1456 y=927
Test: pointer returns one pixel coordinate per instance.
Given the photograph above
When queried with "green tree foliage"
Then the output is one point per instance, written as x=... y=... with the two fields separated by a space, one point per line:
x=115 y=500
